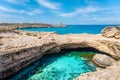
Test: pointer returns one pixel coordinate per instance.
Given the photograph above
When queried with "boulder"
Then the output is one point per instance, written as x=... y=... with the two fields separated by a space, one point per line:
x=103 y=60
x=111 y=32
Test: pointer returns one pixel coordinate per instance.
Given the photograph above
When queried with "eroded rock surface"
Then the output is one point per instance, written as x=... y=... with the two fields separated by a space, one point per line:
x=18 y=50
x=103 y=60
x=110 y=73
x=112 y=32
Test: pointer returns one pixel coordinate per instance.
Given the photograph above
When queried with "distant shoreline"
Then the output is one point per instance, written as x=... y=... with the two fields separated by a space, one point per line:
x=24 y=25
x=10 y=27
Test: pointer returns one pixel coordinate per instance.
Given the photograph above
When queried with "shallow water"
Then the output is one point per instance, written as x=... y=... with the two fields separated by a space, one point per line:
x=60 y=66
x=93 y=29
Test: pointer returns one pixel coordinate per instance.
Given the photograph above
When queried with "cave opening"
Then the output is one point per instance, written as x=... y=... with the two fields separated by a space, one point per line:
x=64 y=65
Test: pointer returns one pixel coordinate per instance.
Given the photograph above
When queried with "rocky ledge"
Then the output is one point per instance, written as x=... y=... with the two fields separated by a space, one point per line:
x=19 y=49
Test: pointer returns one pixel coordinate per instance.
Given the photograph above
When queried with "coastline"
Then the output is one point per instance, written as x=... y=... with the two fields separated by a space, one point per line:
x=11 y=27
x=23 y=48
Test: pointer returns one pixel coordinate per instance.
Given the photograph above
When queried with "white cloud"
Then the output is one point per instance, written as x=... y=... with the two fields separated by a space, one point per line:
x=11 y=18
x=32 y=12
x=81 y=11
x=48 y=4
x=7 y=9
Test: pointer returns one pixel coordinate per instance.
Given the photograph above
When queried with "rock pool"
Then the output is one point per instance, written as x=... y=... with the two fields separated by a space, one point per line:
x=65 y=65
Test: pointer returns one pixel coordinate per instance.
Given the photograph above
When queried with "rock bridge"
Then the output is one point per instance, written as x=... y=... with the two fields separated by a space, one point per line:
x=19 y=49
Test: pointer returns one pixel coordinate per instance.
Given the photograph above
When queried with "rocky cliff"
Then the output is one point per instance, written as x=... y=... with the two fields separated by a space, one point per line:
x=19 y=49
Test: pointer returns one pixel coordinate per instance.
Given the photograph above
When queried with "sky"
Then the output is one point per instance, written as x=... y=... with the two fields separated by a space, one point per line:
x=56 y=11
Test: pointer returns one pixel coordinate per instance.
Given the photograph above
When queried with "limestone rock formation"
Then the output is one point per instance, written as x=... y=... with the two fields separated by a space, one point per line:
x=103 y=60
x=112 y=32
x=19 y=49
x=110 y=73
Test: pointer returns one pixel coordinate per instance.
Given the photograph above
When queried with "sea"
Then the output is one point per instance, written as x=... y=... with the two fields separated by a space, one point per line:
x=70 y=29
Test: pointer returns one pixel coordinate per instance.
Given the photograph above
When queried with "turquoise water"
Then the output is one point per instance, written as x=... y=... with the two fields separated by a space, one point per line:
x=93 y=29
x=60 y=66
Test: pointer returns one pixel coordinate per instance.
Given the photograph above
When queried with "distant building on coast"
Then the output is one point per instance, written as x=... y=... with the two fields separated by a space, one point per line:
x=61 y=25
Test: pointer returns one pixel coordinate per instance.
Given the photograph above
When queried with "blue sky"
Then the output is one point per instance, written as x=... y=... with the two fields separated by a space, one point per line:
x=65 y=11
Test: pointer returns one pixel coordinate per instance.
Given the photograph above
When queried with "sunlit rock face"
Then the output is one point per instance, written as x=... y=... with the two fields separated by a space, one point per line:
x=112 y=32
x=112 y=70
x=103 y=60
x=23 y=48
x=110 y=73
